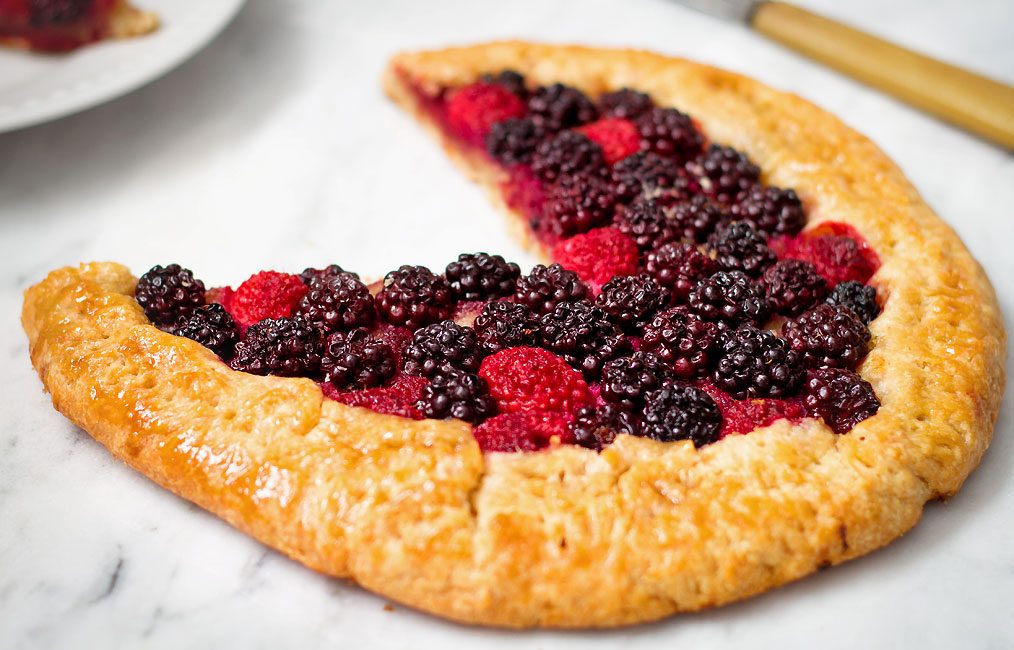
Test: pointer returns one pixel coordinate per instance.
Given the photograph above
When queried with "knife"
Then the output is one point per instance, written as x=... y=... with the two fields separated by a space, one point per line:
x=973 y=102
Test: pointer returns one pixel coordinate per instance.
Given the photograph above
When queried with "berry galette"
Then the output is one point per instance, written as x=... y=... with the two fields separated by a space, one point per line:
x=752 y=352
x=62 y=25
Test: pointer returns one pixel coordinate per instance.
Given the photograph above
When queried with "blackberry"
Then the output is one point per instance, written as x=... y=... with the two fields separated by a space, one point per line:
x=722 y=173
x=440 y=348
x=669 y=133
x=580 y=333
x=413 y=296
x=212 y=327
x=625 y=103
x=840 y=397
x=643 y=173
x=631 y=300
x=513 y=141
x=510 y=79
x=505 y=325
x=357 y=360
x=646 y=223
x=457 y=394
x=559 y=107
x=597 y=427
x=793 y=286
x=729 y=298
x=627 y=381
x=168 y=293
x=756 y=363
x=684 y=341
x=482 y=276
x=679 y=267
x=860 y=298
x=829 y=336
x=576 y=204
x=696 y=218
x=738 y=247
x=682 y=413
x=771 y=210
x=338 y=302
x=547 y=286
x=566 y=154
x=309 y=274
x=288 y=347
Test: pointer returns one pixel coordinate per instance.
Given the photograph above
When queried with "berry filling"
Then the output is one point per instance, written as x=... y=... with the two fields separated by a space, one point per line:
x=56 y=25
x=685 y=302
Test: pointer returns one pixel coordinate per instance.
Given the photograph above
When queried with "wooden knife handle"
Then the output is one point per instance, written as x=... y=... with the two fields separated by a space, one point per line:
x=973 y=102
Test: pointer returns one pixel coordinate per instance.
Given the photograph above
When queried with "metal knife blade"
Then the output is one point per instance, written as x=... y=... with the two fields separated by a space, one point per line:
x=738 y=10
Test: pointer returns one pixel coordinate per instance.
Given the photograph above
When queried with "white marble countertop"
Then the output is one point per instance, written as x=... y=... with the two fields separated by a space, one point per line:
x=275 y=148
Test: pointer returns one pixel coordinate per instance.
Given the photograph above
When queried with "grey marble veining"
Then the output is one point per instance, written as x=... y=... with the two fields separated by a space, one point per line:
x=275 y=148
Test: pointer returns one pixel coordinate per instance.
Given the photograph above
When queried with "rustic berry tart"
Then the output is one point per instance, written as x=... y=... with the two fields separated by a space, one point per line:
x=62 y=25
x=753 y=352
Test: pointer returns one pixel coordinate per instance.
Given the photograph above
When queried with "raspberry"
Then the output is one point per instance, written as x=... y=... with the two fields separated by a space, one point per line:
x=771 y=210
x=520 y=431
x=644 y=173
x=696 y=218
x=839 y=258
x=596 y=427
x=679 y=267
x=169 y=293
x=631 y=300
x=413 y=296
x=756 y=363
x=533 y=379
x=598 y=255
x=441 y=348
x=268 y=294
x=566 y=154
x=523 y=192
x=580 y=333
x=212 y=327
x=682 y=413
x=840 y=397
x=729 y=298
x=505 y=325
x=738 y=247
x=743 y=416
x=828 y=336
x=669 y=133
x=356 y=360
x=860 y=298
x=288 y=347
x=627 y=381
x=399 y=398
x=457 y=394
x=309 y=274
x=513 y=142
x=482 y=276
x=684 y=341
x=645 y=223
x=547 y=286
x=625 y=103
x=472 y=110
x=722 y=173
x=337 y=302
x=397 y=338
x=793 y=286
x=510 y=79
x=577 y=204
x=617 y=137
x=559 y=107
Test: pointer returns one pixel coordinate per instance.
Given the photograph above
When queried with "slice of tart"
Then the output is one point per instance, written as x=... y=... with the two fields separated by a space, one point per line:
x=63 y=25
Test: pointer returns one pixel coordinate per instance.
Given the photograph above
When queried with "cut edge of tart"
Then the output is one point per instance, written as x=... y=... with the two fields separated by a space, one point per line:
x=105 y=19
x=566 y=537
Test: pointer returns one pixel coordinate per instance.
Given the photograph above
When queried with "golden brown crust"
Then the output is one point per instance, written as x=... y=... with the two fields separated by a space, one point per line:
x=566 y=537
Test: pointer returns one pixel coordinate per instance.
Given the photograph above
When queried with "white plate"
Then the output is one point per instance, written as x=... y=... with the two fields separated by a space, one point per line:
x=37 y=88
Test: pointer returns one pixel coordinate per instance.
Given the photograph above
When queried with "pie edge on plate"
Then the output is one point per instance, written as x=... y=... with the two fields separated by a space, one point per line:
x=412 y=510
